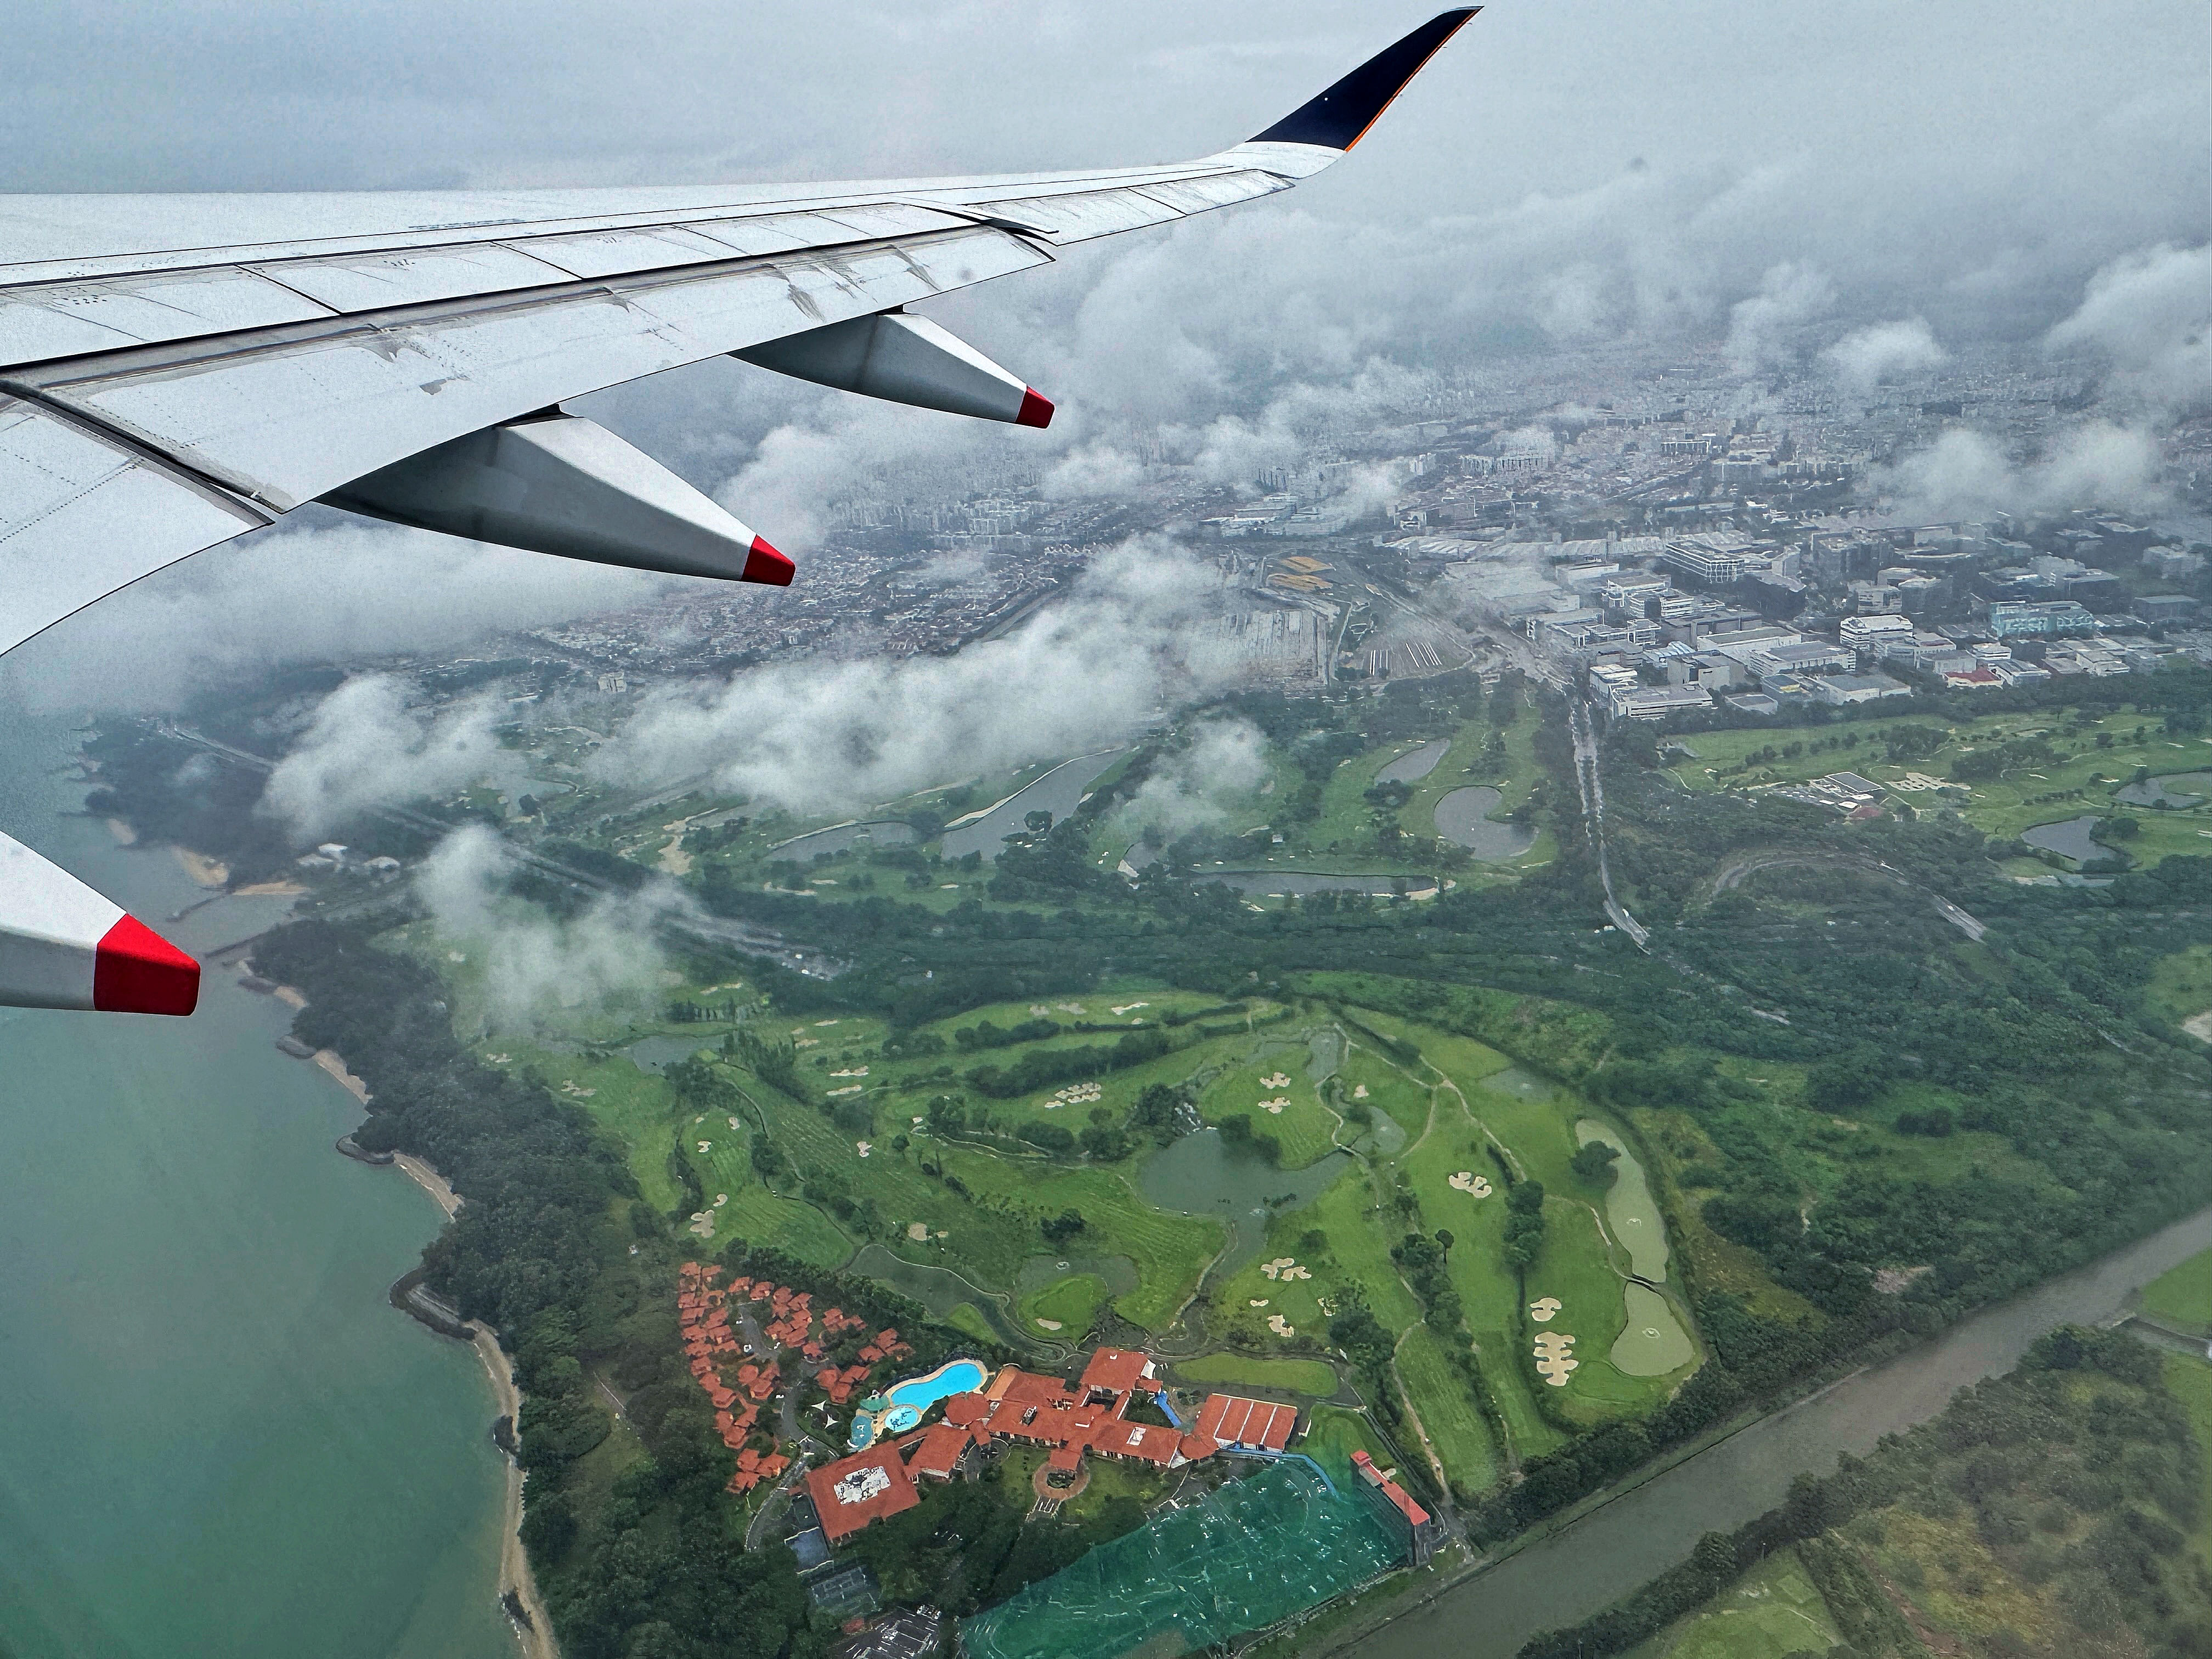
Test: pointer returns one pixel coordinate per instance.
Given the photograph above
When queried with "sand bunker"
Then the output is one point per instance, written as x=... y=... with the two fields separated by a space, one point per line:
x=1278 y=1081
x=1258 y=1301
x=1275 y=1105
x=720 y=1198
x=1280 y=1326
x=1284 y=1268
x=1048 y=1324
x=2199 y=1026
x=855 y=1071
x=734 y=1123
x=864 y=1147
x=1076 y=1094
x=1543 y=1307
x=917 y=1230
x=1555 y=1356
x=1359 y=1091
x=1130 y=1008
x=706 y=1145
x=1467 y=1182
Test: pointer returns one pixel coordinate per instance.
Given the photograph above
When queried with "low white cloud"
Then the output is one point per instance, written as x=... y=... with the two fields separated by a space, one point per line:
x=1865 y=357
x=1763 y=329
x=1967 y=474
x=364 y=747
x=2149 y=315
x=1195 y=786
x=822 y=736
x=531 y=963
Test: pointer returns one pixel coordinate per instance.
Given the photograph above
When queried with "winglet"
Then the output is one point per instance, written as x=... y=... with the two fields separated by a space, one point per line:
x=1339 y=117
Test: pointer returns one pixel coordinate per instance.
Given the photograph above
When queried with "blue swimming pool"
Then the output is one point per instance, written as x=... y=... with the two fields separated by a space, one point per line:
x=902 y=1405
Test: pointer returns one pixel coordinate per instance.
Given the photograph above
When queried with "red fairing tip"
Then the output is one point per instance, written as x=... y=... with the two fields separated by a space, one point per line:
x=765 y=564
x=1036 y=410
x=136 y=971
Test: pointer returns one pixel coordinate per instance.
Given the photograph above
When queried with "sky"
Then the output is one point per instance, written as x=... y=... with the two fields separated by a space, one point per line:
x=1891 y=180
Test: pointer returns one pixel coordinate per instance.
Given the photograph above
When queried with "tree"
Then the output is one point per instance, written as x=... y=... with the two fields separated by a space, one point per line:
x=1059 y=1228
x=1593 y=1163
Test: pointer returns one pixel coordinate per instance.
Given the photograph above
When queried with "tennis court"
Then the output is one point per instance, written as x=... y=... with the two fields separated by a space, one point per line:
x=1238 y=1560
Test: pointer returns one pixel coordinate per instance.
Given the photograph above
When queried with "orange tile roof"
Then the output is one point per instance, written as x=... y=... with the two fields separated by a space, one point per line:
x=855 y=1491
x=1236 y=1421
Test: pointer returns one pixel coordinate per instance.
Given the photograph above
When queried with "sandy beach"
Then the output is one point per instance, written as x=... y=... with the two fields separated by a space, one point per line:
x=431 y=1182
x=290 y=996
x=269 y=889
x=204 y=870
x=329 y=1060
x=123 y=833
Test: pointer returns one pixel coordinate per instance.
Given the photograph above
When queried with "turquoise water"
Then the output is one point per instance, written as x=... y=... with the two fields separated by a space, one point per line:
x=905 y=1403
x=219 y=1438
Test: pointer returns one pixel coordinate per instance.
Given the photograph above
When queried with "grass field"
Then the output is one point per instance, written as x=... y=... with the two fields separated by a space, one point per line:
x=1236 y=1370
x=1070 y=1303
x=1305 y=1127
x=2181 y=988
x=1773 y=1611
x=1170 y=1251
x=2183 y=1296
x=2086 y=779
x=1445 y=1404
x=2190 y=1379
x=1333 y=1434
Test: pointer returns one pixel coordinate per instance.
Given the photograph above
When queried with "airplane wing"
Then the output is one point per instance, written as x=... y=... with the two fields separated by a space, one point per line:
x=177 y=370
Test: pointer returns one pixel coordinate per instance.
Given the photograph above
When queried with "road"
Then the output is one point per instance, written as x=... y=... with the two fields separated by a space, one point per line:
x=1733 y=873
x=1591 y=782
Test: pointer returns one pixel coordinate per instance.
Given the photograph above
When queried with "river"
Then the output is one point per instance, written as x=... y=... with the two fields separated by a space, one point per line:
x=219 y=1437
x=1594 y=1562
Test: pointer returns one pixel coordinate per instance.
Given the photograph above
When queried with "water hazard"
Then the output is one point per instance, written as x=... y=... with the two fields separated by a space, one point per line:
x=2180 y=790
x=1463 y=818
x=1058 y=791
x=2069 y=838
x=1414 y=765
x=1198 y=1174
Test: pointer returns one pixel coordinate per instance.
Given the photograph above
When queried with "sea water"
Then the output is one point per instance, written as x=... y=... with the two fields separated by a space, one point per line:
x=216 y=1435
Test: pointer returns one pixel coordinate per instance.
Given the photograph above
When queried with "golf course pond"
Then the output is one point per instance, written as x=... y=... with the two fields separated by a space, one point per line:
x=2069 y=838
x=1058 y=791
x=1463 y=819
x=880 y=832
x=1281 y=884
x=1201 y=1175
x=1415 y=763
x=1652 y=1342
x=2179 y=791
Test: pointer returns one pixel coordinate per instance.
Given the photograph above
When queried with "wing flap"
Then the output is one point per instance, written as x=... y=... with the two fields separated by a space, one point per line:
x=81 y=516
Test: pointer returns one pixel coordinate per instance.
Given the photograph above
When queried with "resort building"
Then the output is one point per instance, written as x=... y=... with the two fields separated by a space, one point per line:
x=1088 y=1419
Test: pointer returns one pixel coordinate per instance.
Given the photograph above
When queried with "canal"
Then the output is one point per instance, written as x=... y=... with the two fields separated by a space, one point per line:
x=1596 y=1560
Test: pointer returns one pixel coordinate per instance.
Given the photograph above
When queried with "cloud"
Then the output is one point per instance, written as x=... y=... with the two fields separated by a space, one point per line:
x=2149 y=314
x=817 y=736
x=1865 y=357
x=531 y=963
x=1965 y=474
x=341 y=591
x=1763 y=329
x=1195 y=786
x=365 y=748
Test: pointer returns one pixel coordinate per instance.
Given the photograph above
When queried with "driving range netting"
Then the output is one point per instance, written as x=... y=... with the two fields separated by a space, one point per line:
x=1256 y=1551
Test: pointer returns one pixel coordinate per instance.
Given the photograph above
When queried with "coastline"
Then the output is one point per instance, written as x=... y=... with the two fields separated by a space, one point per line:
x=535 y=1629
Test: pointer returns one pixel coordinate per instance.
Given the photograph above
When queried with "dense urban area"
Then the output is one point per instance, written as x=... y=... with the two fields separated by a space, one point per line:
x=1606 y=920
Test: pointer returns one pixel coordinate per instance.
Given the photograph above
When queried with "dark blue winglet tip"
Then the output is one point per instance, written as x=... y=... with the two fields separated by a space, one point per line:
x=1339 y=117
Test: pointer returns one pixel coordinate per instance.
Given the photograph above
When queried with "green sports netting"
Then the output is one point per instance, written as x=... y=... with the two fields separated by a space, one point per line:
x=1256 y=1551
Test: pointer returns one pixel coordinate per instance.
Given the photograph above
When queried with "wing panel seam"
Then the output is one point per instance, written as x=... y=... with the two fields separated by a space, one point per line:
x=244 y=505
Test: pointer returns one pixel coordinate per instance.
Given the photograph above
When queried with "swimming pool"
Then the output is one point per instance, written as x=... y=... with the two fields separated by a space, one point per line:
x=902 y=1405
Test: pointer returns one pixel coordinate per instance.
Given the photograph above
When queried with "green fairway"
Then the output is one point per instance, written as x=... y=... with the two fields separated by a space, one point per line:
x=1236 y=1370
x=1771 y=1611
x=1333 y=1434
x=1067 y=1308
x=2182 y=1297
x=759 y=1217
x=2181 y=989
x=1291 y=1110
x=1444 y=1401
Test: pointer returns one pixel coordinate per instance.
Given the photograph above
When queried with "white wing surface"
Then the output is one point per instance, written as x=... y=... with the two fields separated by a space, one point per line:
x=176 y=370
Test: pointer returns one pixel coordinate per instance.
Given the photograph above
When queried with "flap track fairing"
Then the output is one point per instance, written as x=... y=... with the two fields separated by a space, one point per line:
x=904 y=360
